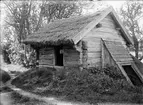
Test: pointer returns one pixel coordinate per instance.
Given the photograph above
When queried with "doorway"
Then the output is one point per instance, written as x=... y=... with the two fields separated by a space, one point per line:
x=132 y=75
x=58 y=56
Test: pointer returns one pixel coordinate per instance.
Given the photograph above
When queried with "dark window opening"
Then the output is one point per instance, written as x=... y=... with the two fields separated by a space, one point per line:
x=58 y=56
x=132 y=75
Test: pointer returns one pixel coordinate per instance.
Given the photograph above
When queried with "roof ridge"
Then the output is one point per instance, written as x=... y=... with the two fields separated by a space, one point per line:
x=81 y=16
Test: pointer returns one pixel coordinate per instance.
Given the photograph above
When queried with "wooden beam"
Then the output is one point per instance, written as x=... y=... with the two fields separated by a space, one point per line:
x=118 y=64
x=125 y=32
x=137 y=71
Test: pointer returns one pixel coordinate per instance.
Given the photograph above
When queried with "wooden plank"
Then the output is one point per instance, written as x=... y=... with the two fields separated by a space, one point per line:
x=46 y=49
x=107 y=30
x=90 y=26
x=108 y=24
x=94 y=49
x=95 y=55
x=45 y=61
x=117 y=64
x=97 y=35
x=125 y=32
x=46 y=56
x=71 y=56
x=72 y=63
x=71 y=51
x=94 y=60
x=122 y=55
x=123 y=60
x=47 y=52
x=93 y=43
x=71 y=59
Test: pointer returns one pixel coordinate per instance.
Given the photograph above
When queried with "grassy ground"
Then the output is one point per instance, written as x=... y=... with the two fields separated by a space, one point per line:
x=93 y=85
x=23 y=100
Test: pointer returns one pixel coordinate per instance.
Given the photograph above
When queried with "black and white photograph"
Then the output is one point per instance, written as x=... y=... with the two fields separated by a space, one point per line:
x=71 y=52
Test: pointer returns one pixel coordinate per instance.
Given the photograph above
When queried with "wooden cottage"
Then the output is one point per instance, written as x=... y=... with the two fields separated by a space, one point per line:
x=87 y=41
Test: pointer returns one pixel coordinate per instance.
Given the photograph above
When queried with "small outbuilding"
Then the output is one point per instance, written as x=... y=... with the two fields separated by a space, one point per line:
x=95 y=40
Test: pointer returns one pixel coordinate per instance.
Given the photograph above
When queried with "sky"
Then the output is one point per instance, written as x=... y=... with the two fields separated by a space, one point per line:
x=115 y=4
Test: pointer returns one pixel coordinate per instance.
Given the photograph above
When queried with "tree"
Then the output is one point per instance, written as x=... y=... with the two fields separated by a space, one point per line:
x=131 y=13
x=26 y=17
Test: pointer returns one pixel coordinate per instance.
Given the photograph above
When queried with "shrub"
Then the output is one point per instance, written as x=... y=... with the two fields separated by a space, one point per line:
x=35 y=76
x=93 y=85
x=113 y=72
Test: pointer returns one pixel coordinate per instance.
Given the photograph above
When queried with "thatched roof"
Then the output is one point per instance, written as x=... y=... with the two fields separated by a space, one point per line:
x=64 y=31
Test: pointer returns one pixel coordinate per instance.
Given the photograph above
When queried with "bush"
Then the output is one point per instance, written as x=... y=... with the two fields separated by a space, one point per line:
x=34 y=76
x=93 y=85
x=113 y=72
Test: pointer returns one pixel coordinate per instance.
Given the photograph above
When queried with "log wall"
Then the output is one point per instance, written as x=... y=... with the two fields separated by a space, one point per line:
x=71 y=57
x=46 y=56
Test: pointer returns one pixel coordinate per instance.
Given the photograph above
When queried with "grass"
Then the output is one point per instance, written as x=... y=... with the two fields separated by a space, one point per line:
x=92 y=85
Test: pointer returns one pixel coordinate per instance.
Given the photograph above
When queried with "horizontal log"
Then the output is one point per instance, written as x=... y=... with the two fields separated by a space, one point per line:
x=45 y=53
x=70 y=51
x=71 y=56
x=45 y=61
x=46 y=49
x=71 y=59
x=46 y=56
x=45 y=65
x=72 y=63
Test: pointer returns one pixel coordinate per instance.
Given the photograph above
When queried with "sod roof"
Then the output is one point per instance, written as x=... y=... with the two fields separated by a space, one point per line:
x=61 y=31
x=66 y=31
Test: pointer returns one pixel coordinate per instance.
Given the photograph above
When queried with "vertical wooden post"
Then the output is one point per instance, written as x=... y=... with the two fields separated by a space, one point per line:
x=102 y=54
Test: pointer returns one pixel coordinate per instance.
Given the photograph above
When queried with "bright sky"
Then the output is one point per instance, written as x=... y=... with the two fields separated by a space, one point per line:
x=116 y=5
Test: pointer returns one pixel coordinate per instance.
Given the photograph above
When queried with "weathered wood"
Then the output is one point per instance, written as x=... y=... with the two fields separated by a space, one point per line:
x=107 y=24
x=125 y=33
x=46 y=56
x=110 y=60
x=94 y=49
x=91 y=25
x=94 y=55
x=107 y=30
x=71 y=57
x=124 y=73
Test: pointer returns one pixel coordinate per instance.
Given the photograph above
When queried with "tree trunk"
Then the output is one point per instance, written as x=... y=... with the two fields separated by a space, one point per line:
x=136 y=50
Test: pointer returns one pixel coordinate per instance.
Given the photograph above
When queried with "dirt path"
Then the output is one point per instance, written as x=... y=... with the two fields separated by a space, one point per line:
x=54 y=101
x=48 y=100
x=5 y=98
